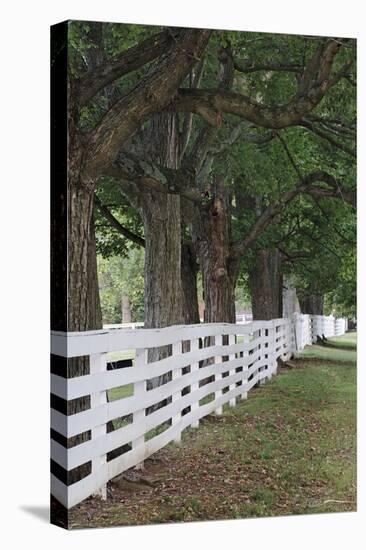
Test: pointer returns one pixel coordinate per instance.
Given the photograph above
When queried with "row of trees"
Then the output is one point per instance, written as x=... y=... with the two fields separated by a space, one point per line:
x=232 y=154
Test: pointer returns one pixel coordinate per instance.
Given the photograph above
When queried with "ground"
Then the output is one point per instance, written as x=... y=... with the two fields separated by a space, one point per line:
x=290 y=448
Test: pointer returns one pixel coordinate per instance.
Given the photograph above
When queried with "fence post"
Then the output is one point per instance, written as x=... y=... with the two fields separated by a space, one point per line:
x=314 y=328
x=194 y=387
x=176 y=374
x=272 y=362
x=218 y=376
x=98 y=363
x=309 y=337
x=244 y=394
x=263 y=347
x=232 y=339
x=292 y=337
x=257 y=334
x=139 y=391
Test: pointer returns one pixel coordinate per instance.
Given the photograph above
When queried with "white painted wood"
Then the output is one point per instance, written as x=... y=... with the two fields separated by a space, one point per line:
x=139 y=393
x=232 y=341
x=85 y=385
x=245 y=364
x=75 y=344
x=194 y=386
x=98 y=364
x=83 y=452
x=260 y=353
x=272 y=352
x=83 y=421
x=218 y=375
x=176 y=397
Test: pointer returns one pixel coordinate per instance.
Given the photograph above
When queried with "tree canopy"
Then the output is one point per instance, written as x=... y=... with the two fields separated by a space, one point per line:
x=274 y=114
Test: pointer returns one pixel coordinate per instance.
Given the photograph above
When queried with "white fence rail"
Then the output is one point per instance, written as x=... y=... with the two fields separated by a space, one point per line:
x=207 y=366
x=240 y=319
x=124 y=325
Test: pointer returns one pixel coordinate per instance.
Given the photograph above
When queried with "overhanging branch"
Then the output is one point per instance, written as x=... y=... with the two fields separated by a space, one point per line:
x=150 y=95
x=130 y=60
x=304 y=186
x=313 y=84
x=107 y=214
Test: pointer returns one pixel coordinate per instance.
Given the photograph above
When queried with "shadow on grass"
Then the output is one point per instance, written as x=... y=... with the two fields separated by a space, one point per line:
x=309 y=362
x=334 y=345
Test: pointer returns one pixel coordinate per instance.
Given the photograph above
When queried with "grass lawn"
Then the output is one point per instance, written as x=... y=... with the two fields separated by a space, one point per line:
x=290 y=448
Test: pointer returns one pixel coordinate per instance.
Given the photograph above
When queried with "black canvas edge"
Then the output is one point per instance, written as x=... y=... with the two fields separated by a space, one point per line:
x=58 y=222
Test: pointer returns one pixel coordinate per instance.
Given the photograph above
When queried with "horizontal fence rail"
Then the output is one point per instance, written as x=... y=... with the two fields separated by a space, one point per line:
x=179 y=374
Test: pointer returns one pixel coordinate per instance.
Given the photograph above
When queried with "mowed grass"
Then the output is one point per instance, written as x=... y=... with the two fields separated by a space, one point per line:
x=342 y=348
x=290 y=448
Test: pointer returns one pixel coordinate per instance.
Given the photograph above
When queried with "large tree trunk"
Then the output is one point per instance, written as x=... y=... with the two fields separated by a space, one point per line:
x=163 y=291
x=218 y=292
x=311 y=304
x=265 y=282
x=84 y=312
x=161 y=216
x=126 y=309
x=189 y=270
x=289 y=298
x=211 y=236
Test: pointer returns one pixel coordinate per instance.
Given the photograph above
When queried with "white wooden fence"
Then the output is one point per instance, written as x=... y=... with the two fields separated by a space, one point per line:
x=309 y=327
x=222 y=362
x=124 y=325
x=240 y=319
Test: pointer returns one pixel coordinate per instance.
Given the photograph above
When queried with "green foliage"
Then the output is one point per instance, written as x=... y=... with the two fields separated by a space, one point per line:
x=323 y=239
x=109 y=241
x=322 y=230
x=120 y=276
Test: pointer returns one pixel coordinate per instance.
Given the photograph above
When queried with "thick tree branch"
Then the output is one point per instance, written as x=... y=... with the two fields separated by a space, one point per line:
x=250 y=67
x=335 y=123
x=304 y=186
x=150 y=95
x=130 y=60
x=195 y=79
x=314 y=83
x=324 y=135
x=147 y=176
x=198 y=158
x=107 y=214
x=294 y=256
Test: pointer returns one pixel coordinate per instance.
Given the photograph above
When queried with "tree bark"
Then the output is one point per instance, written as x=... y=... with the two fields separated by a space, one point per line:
x=211 y=231
x=265 y=282
x=189 y=270
x=84 y=312
x=161 y=219
x=311 y=304
x=126 y=309
x=289 y=298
